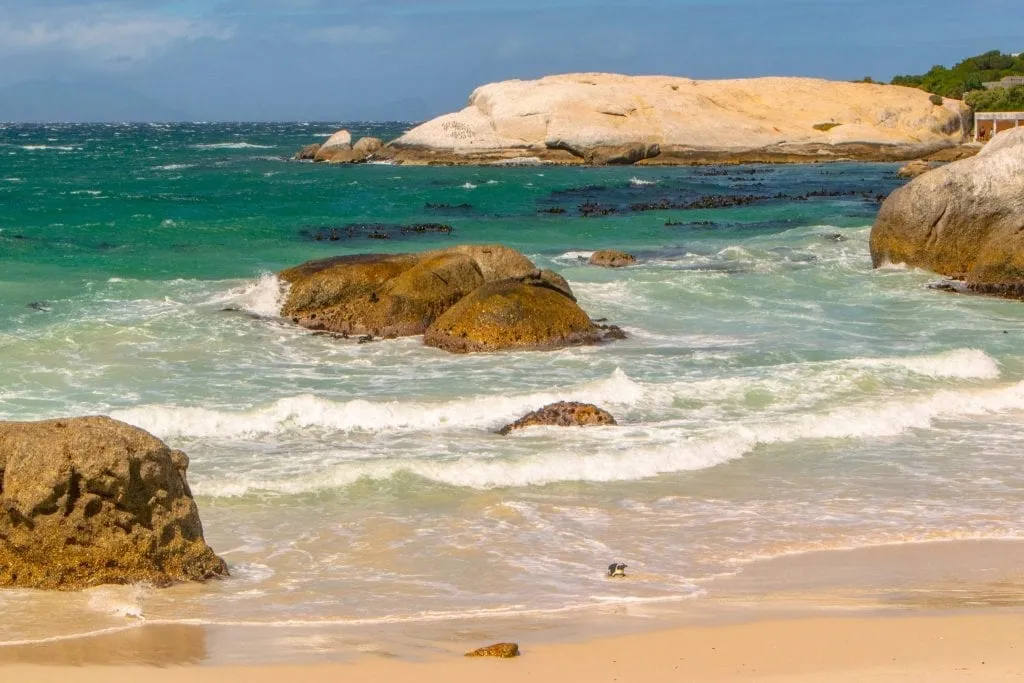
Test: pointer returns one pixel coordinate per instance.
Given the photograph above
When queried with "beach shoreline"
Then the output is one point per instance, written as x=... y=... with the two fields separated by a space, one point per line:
x=832 y=614
x=966 y=645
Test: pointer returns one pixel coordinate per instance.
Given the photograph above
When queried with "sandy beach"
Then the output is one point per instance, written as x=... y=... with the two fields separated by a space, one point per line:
x=949 y=611
x=962 y=647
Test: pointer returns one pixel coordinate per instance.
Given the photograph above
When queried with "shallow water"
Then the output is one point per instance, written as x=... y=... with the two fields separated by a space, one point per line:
x=776 y=394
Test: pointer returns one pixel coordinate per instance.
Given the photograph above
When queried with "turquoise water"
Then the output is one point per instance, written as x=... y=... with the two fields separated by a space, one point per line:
x=776 y=394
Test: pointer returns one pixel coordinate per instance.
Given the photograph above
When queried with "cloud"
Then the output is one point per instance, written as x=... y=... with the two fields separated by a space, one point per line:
x=110 y=38
x=349 y=34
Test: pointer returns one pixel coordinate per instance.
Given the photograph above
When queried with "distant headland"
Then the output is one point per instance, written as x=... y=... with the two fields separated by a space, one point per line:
x=598 y=118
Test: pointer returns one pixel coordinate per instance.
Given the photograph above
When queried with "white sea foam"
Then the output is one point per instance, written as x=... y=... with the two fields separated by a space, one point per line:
x=232 y=145
x=572 y=257
x=118 y=601
x=630 y=452
x=173 y=167
x=956 y=364
x=89 y=192
x=62 y=148
x=468 y=186
x=640 y=182
x=263 y=296
x=306 y=411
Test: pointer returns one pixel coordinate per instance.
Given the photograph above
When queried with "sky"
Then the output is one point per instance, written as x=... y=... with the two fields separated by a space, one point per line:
x=330 y=60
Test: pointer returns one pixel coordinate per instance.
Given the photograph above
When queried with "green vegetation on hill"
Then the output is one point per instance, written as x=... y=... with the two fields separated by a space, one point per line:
x=998 y=99
x=968 y=76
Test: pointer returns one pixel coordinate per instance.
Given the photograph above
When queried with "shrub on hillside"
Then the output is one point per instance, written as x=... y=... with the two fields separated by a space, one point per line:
x=999 y=99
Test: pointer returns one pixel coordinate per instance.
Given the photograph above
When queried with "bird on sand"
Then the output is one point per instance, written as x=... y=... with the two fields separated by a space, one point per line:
x=617 y=569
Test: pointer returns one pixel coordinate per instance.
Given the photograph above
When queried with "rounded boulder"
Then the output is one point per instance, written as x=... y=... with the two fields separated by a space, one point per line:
x=89 y=501
x=611 y=258
x=512 y=314
x=964 y=220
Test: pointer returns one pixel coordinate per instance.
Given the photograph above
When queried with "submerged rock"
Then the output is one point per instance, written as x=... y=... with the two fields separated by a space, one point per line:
x=964 y=220
x=563 y=414
x=611 y=258
x=90 y=500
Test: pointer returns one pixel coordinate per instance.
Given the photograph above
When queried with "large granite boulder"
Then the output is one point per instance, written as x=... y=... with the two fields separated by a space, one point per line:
x=563 y=414
x=964 y=220
x=393 y=295
x=610 y=118
x=516 y=313
x=90 y=500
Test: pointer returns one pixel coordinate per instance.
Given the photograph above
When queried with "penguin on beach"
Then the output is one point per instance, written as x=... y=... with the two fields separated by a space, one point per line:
x=617 y=569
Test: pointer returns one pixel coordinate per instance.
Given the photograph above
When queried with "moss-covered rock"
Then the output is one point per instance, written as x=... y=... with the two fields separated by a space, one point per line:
x=394 y=295
x=88 y=501
x=525 y=313
x=563 y=414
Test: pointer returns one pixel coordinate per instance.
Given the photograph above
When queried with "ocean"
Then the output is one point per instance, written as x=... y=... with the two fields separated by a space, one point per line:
x=776 y=395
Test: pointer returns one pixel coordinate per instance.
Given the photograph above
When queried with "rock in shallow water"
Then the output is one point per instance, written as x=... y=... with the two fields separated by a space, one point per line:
x=563 y=414
x=512 y=314
x=964 y=220
x=611 y=258
x=90 y=500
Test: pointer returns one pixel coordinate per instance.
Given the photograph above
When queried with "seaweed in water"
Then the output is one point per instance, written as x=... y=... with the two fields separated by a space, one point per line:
x=373 y=231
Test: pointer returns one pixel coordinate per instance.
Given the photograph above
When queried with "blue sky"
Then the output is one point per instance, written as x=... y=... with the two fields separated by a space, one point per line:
x=328 y=59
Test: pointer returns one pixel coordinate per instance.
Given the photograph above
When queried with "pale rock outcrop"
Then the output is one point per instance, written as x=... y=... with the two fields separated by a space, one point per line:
x=964 y=220
x=337 y=148
x=341 y=151
x=90 y=500
x=610 y=118
x=342 y=138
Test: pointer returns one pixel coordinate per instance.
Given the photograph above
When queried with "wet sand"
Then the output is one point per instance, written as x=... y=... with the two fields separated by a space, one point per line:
x=946 y=611
x=963 y=647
